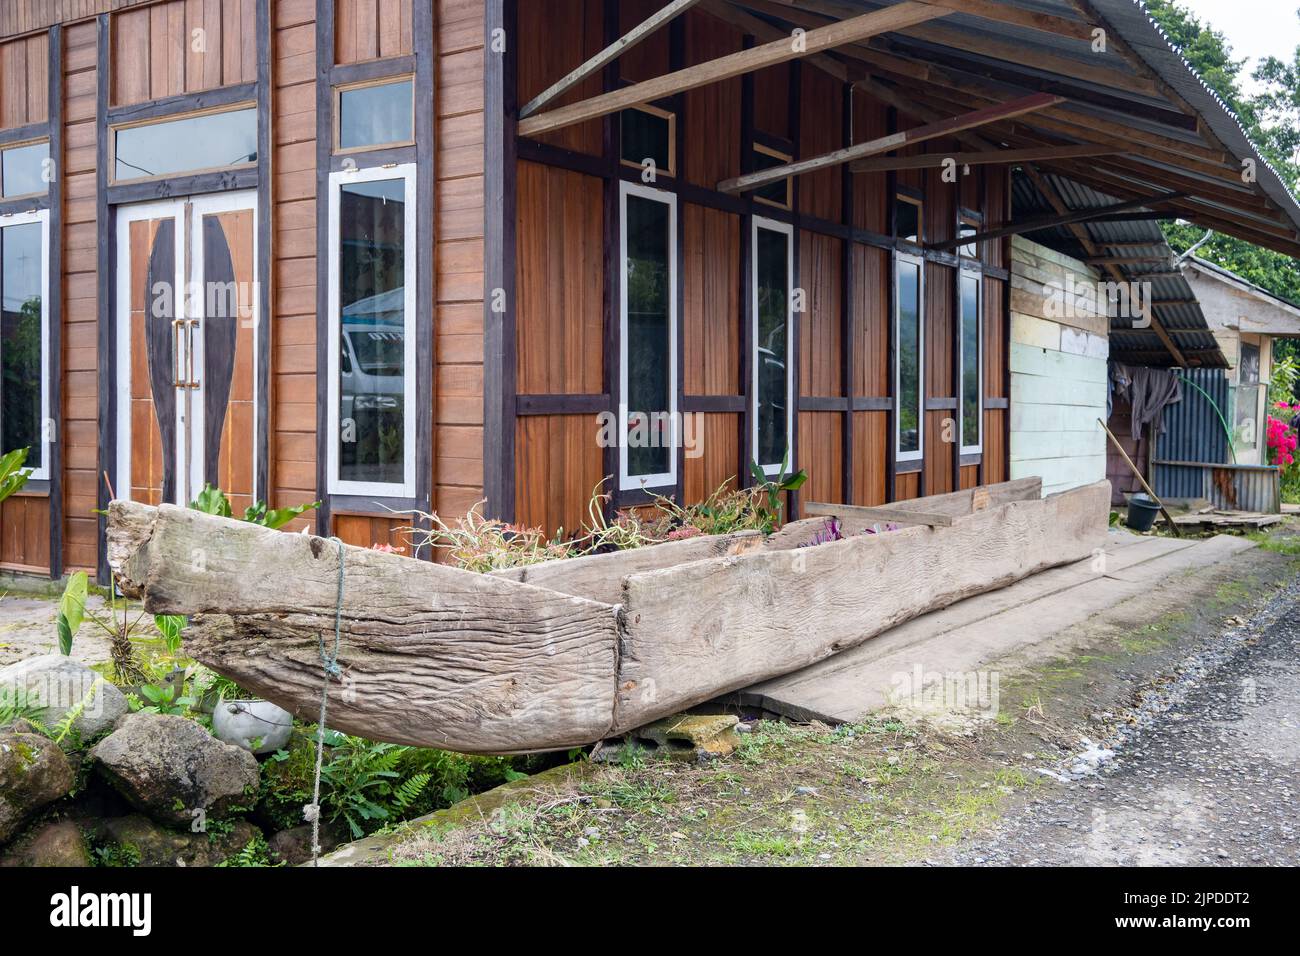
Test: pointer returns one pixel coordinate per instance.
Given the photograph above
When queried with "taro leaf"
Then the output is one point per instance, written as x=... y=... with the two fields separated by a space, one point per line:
x=72 y=609
x=212 y=501
x=170 y=627
x=795 y=481
x=65 y=636
x=276 y=517
x=11 y=477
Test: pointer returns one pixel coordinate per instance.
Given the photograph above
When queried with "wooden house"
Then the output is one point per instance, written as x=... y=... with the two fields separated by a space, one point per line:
x=414 y=254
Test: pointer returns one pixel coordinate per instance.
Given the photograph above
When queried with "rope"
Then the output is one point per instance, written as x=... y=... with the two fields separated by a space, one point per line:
x=330 y=666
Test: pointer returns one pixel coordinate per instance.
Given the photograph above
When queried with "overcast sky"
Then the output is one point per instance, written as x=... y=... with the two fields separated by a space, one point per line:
x=1255 y=28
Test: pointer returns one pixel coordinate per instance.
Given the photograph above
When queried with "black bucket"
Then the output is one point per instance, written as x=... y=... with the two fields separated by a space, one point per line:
x=1142 y=511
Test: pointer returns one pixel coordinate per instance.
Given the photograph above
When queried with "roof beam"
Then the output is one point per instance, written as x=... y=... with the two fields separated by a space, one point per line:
x=1125 y=260
x=931 y=160
x=736 y=64
x=883 y=144
x=764 y=31
x=612 y=52
x=1048 y=222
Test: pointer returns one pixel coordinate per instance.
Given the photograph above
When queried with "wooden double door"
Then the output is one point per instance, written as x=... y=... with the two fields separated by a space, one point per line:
x=186 y=334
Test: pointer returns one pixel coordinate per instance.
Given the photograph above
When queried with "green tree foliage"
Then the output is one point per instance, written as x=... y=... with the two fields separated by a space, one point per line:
x=1271 y=117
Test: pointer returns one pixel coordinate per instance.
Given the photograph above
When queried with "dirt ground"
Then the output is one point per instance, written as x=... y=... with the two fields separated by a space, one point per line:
x=1162 y=731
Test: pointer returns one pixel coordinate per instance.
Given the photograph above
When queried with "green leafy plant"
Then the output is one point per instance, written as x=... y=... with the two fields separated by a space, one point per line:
x=363 y=781
x=12 y=474
x=773 y=489
x=213 y=501
x=72 y=609
x=120 y=624
x=15 y=705
x=256 y=853
x=164 y=698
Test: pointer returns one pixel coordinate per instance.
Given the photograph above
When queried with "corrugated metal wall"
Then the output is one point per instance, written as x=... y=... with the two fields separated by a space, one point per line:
x=1193 y=433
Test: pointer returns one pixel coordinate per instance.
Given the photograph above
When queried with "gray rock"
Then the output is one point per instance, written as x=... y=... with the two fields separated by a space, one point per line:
x=170 y=767
x=55 y=844
x=293 y=846
x=60 y=684
x=139 y=841
x=34 y=772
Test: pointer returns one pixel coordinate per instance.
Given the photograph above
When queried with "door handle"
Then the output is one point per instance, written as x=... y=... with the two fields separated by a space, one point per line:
x=176 y=353
x=190 y=326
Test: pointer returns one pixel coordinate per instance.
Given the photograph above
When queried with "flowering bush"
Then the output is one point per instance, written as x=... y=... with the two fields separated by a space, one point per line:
x=1282 y=439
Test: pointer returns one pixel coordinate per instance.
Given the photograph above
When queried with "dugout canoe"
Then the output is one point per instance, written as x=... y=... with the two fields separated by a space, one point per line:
x=569 y=652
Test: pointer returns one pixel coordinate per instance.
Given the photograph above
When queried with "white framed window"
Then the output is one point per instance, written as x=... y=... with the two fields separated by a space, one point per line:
x=25 y=338
x=647 y=365
x=772 y=385
x=971 y=388
x=909 y=358
x=372 y=368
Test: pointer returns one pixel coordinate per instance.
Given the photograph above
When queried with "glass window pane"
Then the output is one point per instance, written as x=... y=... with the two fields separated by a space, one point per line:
x=777 y=192
x=647 y=135
x=907 y=220
x=376 y=115
x=210 y=141
x=649 y=358
x=23 y=169
x=970 y=250
x=373 y=328
x=772 y=271
x=970 y=361
x=20 y=339
x=909 y=357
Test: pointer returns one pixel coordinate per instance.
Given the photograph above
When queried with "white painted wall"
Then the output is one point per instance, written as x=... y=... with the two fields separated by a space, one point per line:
x=1058 y=371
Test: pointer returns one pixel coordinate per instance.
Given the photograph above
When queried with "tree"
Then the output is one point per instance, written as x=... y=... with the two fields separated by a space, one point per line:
x=1272 y=120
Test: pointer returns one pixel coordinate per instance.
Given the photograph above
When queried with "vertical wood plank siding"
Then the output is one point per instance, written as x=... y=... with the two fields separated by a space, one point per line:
x=510 y=386
x=841 y=349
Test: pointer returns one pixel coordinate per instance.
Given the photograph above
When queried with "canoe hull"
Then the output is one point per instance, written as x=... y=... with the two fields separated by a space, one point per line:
x=438 y=657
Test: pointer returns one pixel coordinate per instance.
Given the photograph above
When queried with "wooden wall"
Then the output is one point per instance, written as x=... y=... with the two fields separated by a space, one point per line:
x=182 y=46
x=24 y=81
x=561 y=272
x=292 y=473
x=458 y=316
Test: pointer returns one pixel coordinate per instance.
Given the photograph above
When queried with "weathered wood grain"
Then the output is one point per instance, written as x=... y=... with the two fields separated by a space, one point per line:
x=431 y=655
x=698 y=630
x=435 y=656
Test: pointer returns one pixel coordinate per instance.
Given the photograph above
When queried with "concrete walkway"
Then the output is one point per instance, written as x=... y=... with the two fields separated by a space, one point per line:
x=970 y=635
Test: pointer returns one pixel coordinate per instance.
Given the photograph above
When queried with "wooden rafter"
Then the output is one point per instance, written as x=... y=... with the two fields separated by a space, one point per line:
x=931 y=160
x=736 y=64
x=766 y=32
x=1064 y=218
x=1126 y=260
x=612 y=52
x=883 y=144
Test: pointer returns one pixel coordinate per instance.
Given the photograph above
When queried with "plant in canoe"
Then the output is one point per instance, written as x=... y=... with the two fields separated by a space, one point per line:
x=771 y=490
x=213 y=501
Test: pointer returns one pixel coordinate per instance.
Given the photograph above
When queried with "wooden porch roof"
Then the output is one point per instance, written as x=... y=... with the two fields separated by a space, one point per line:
x=1160 y=135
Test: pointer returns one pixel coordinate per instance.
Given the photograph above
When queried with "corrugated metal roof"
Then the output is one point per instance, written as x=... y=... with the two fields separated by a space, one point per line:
x=1139 y=96
x=1184 y=322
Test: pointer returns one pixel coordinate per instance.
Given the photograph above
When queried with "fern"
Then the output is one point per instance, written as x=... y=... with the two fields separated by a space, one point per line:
x=409 y=790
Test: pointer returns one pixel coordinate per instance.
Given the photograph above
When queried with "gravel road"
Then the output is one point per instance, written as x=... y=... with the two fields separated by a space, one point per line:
x=1204 y=771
